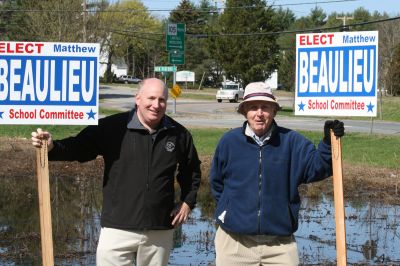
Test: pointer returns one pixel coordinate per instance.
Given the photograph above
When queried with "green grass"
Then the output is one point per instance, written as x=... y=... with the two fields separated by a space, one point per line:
x=390 y=109
x=357 y=148
x=196 y=96
x=375 y=150
x=24 y=131
x=206 y=139
x=286 y=111
x=108 y=111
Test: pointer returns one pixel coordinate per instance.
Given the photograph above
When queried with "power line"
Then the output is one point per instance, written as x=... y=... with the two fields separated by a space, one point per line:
x=206 y=35
x=293 y=31
x=136 y=34
x=199 y=10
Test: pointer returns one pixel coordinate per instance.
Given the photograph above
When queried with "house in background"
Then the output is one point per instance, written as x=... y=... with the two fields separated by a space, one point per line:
x=272 y=81
x=118 y=67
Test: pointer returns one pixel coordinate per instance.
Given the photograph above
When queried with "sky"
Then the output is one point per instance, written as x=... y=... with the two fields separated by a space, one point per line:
x=299 y=7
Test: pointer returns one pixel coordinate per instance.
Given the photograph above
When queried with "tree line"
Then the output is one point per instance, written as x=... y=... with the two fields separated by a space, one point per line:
x=246 y=40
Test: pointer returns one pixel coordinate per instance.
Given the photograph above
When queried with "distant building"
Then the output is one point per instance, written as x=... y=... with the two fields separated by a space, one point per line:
x=273 y=80
x=119 y=67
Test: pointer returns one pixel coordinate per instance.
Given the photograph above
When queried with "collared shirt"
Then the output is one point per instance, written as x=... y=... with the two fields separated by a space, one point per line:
x=259 y=140
x=135 y=123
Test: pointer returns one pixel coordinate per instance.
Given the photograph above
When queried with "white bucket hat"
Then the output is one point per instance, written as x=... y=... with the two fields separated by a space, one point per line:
x=257 y=91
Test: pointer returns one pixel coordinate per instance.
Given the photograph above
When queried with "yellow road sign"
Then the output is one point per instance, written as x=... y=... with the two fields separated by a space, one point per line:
x=176 y=91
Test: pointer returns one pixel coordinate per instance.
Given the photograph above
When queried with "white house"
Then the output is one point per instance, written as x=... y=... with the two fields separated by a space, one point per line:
x=272 y=81
x=119 y=67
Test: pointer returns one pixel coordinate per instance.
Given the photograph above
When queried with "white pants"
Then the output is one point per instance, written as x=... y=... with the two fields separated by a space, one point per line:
x=123 y=247
x=246 y=250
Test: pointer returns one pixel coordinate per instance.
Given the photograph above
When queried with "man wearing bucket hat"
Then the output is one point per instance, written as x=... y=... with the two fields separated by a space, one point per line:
x=255 y=174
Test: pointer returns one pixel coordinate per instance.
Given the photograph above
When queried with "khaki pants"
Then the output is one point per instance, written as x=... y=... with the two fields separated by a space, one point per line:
x=243 y=250
x=121 y=247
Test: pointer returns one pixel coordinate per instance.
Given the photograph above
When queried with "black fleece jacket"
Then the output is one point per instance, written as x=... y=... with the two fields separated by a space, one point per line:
x=140 y=170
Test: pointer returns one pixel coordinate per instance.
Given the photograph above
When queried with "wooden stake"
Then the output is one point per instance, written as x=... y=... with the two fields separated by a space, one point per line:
x=338 y=198
x=46 y=236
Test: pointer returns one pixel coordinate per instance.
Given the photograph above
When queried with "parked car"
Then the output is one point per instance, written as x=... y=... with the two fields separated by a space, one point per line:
x=129 y=79
x=231 y=91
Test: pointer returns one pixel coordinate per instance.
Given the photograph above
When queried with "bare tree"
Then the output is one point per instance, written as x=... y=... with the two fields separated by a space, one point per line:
x=53 y=20
x=134 y=36
x=389 y=39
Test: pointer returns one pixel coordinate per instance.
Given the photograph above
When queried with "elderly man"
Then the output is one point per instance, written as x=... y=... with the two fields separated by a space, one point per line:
x=255 y=174
x=142 y=151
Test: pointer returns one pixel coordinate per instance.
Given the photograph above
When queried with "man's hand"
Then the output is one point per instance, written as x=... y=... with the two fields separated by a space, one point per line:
x=337 y=128
x=180 y=213
x=39 y=136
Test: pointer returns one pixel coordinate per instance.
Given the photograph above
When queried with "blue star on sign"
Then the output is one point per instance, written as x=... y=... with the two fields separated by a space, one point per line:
x=1 y=115
x=91 y=114
x=370 y=107
x=301 y=106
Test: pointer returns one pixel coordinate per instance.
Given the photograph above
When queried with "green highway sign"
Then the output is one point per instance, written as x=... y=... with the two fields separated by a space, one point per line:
x=176 y=57
x=175 y=37
x=165 y=69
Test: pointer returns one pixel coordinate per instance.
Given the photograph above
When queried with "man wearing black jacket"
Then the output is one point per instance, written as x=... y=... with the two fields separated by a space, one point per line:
x=143 y=151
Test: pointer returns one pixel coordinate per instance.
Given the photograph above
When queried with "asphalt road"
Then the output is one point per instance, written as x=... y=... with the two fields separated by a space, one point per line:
x=202 y=113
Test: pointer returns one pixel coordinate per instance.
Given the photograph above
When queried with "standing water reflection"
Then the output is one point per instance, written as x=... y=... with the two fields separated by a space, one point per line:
x=372 y=228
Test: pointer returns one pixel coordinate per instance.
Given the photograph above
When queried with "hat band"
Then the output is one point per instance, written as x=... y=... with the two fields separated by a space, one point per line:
x=259 y=94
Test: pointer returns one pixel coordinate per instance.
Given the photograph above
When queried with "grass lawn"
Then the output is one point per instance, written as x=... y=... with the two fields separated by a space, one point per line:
x=357 y=148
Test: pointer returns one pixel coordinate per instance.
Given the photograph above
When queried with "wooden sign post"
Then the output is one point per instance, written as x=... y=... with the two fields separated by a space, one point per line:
x=72 y=64
x=341 y=253
x=42 y=166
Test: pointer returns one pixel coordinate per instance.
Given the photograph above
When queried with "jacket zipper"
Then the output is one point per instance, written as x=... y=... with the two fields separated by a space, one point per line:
x=259 y=189
x=149 y=153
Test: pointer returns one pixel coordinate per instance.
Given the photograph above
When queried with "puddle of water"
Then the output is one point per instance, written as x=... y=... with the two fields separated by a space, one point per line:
x=372 y=229
x=194 y=242
x=372 y=235
x=372 y=232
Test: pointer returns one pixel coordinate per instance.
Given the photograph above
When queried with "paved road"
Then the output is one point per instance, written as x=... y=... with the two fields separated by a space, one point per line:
x=201 y=113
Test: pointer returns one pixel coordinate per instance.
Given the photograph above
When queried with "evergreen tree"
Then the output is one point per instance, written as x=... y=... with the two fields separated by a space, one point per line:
x=287 y=67
x=195 y=20
x=287 y=55
x=252 y=56
x=12 y=22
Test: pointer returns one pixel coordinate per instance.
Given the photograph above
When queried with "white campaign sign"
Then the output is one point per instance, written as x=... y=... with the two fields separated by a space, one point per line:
x=49 y=83
x=337 y=74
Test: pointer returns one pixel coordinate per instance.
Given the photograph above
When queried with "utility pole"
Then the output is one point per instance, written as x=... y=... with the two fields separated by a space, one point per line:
x=344 y=19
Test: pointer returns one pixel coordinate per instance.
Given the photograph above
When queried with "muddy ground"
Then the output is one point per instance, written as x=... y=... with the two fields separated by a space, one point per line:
x=18 y=159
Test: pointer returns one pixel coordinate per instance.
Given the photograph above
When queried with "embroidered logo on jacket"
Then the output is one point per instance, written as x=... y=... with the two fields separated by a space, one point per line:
x=169 y=146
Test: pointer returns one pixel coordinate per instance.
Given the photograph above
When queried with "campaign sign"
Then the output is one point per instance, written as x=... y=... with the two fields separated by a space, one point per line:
x=49 y=83
x=337 y=74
